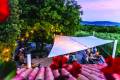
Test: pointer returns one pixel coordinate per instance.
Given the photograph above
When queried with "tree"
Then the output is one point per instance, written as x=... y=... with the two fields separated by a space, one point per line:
x=63 y=13
x=50 y=17
x=9 y=31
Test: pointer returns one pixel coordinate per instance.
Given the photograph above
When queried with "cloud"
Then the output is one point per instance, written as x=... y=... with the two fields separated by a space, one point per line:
x=103 y=15
x=108 y=10
x=100 y=4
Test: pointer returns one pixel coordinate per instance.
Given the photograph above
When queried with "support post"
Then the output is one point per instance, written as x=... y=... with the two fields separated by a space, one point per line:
x=29 y=60
x=93 y=33
x=114 y=48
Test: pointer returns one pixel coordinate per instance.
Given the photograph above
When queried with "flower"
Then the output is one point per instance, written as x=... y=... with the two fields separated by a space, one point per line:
x=76 y=69
x=4 y=10
x=58 y=62
x=54 y=65
x=113 y=67
x=109 y=60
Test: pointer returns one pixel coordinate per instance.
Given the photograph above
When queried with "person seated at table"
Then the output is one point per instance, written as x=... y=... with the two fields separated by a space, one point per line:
x=20 y=59
x=94 y=50
x=72 y=58
x=81 y=56
x=87 y=55
x=90 y=56
x=100 y=58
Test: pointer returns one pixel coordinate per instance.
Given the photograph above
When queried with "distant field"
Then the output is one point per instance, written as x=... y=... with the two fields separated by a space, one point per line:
x=111 y=36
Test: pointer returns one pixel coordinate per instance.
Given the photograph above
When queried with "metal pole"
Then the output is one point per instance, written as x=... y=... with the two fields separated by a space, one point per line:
x=114 y=48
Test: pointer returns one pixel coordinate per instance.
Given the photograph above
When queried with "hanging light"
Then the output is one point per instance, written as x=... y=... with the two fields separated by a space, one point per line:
x=7 y=59
x=32 y=31
x=22 y=39
x=27 y=34
x=15 y=44
x=6 y=50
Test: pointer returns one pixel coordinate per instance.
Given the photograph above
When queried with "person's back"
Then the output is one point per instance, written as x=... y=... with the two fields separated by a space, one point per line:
x=94 y=50
x=91 y=58
x=21 y=58
x=81 y=56
x=100 y=58
x=72 y=58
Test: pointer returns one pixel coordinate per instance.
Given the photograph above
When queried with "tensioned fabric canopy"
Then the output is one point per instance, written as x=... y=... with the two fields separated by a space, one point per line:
x=66 y=44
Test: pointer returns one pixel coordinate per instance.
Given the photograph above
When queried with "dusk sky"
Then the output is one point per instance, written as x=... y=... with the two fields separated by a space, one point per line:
x=100 y=10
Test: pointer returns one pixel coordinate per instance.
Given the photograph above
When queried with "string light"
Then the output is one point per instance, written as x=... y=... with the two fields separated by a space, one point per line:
x=6 y=50
x=15 y=44
x=22 y=39
x=27 y=34
x=7 y=59
x=32 y=31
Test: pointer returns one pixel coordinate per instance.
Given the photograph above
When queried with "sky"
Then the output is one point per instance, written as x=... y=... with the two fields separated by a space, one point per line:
x=100 y=10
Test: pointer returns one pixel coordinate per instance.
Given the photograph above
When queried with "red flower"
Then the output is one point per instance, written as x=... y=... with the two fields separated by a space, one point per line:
x=69 y=67
x=107 y=70
x=116 y=65
x=64 y=60
x=54 y=65
x=59 y=59
x=4 y=10
x=113 y=67
x=76 y=65
x=65 y=66
x=76 y=69
x=109 y=60
x=58 y=62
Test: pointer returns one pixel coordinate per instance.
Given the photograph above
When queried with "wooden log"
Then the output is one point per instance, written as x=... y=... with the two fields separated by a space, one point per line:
x=90 y=76
x=41 y=73
x=56 y=73
x=70 y=77
x=82 y=77
x=20 y=70
x=33 y=74
x=49 y=74
x=99 y=74
x=24 y=75
x=64 y=72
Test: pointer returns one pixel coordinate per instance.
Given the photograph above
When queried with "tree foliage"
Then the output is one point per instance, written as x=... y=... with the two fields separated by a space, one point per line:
x=109 y=29
x=9 y=31
x=44 y=17
x=64 y=13
x=50 y=17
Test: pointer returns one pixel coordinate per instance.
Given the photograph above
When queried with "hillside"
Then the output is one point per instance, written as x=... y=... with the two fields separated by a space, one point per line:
x=100 y=23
